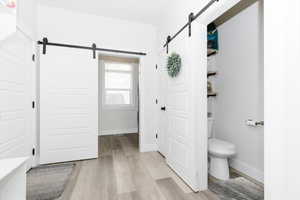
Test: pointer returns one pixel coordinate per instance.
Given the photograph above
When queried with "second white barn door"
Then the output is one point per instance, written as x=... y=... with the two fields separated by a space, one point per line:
x=186 y=110
x=68 y=105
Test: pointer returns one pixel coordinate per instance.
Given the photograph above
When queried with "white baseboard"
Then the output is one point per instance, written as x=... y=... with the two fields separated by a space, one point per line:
x=248 y=170
x=148 y=147
x=119 y=131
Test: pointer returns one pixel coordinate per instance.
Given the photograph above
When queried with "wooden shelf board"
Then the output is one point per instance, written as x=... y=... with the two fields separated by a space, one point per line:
x=211 y=52
x=214 y=94
x=211 y=73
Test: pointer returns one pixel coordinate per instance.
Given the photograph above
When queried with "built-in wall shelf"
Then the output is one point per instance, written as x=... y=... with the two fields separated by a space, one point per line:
x=211 y=73
x=212 y=94
x=211 y=52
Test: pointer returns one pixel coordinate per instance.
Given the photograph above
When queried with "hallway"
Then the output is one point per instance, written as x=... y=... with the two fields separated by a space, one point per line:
x=123 y=173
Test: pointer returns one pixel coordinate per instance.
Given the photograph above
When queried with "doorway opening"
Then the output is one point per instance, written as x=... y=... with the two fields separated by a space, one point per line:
x=235 y=92
x=118 y=99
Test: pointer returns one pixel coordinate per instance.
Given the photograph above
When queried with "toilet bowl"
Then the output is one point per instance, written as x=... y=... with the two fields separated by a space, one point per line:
x=219 y=152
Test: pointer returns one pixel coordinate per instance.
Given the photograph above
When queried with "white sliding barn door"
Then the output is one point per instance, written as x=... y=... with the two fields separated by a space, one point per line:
x=186 y=110
x=68 y=105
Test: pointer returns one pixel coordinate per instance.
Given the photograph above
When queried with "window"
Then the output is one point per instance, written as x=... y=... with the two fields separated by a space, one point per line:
x=118 y=84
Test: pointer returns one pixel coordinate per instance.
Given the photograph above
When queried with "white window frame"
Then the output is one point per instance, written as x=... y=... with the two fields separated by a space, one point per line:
x=133 y=93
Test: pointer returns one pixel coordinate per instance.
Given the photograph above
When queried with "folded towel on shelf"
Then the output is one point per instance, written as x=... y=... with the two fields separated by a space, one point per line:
x=212 y=37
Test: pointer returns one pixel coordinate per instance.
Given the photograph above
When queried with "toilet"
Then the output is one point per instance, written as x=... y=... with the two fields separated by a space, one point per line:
x=219 y=152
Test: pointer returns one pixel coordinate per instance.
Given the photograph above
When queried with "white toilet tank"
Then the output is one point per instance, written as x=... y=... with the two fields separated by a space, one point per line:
x=210 y=122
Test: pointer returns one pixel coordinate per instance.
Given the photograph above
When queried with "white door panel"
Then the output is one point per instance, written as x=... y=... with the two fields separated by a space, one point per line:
x=16 y=135
x=180 y=155
x=68 y=105
x=162 y=126
x=186 y=110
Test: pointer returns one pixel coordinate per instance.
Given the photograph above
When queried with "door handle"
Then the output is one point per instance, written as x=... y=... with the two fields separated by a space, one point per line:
x=163 y=108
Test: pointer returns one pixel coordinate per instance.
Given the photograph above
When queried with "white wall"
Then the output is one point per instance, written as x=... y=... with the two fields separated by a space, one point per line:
x=282 y=52
x=26 y=17
x=17 y=131
x=116 y=121
x=24 y=21
x=78 y=28
x=239 y=85
x=16 y=134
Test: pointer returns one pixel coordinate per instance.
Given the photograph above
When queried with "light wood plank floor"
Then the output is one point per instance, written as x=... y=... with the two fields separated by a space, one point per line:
x=123 y=173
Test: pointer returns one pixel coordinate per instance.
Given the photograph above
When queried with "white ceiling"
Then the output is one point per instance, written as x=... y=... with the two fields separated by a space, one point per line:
x=144 y=11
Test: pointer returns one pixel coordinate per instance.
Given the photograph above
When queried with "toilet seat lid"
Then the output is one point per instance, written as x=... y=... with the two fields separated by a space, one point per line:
x=220 y=147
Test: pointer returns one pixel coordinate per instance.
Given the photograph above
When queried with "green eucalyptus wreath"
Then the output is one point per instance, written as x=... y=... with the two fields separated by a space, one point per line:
x=174 y=64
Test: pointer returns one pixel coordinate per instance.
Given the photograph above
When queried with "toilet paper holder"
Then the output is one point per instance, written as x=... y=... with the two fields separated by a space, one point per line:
x=251 y=122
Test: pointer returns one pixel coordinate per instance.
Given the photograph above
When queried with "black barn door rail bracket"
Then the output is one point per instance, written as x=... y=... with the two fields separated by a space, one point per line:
x=94 y=48
x=168 y=40
x=191 y=18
